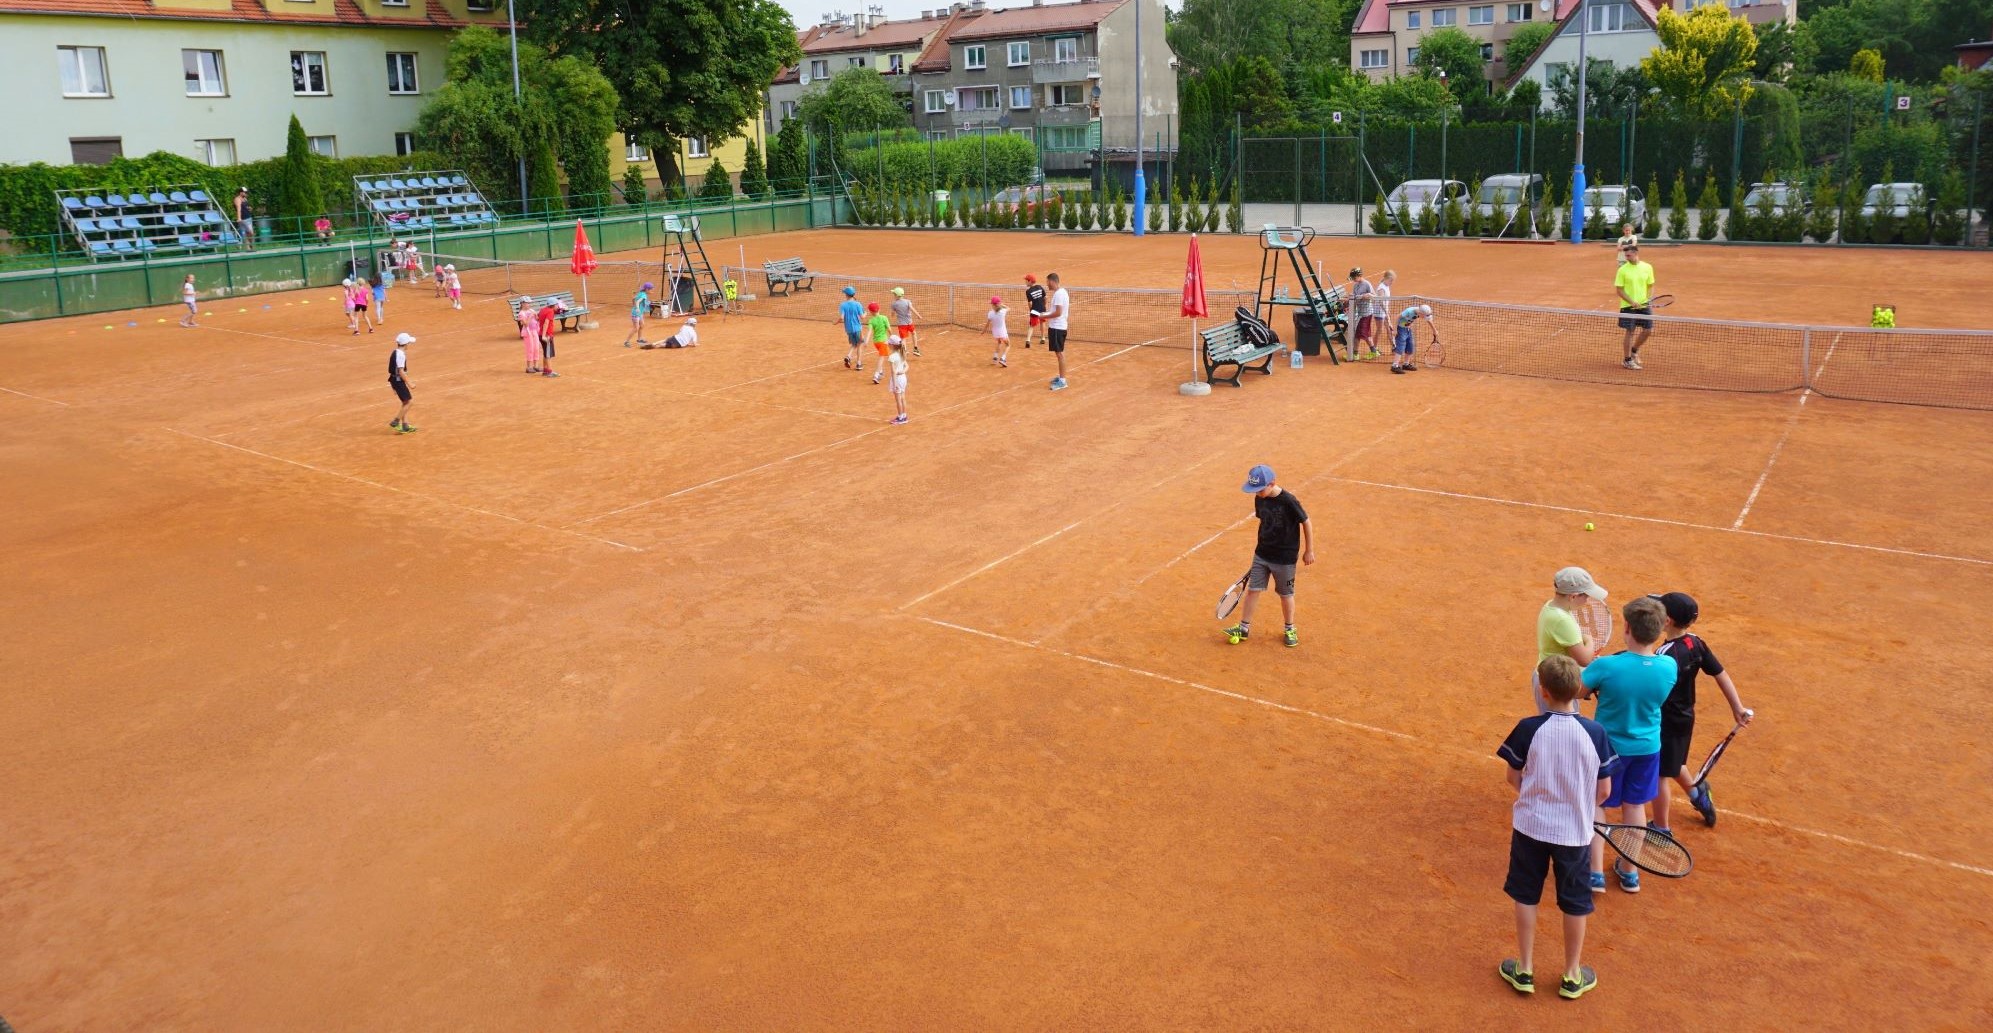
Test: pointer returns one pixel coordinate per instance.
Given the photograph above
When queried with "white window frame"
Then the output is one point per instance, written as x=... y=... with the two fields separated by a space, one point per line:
x=937 y=134
x=404 y=144
x=1026 y=92
x=69 y=61
x=1065 y=49
x=1024 y=131
x=301 y=66
x=220 y=88
x=1411 y=19
x=413 y=81
x=1486 y=13
x=1522 y=12
x=788 y=110
x=975 y=57
x=481 y=6
x=1010 y=53
x=695 y=147
x=937 y=101
x=1445 y=16
x=329 y=149
x=635 y=153
x=991 y=94
x=1057 y=90
x=820 y=68
x=857 y=61
x=205 y=151
x=1373 y=58
x=394 y=3
x=895 y=64
x=1612 y=17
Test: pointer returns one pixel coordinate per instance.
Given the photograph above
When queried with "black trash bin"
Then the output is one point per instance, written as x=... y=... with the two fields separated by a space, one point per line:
x=1307 y=332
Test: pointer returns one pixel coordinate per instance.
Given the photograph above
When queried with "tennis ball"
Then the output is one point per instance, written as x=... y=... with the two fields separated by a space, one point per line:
x=1589 y=527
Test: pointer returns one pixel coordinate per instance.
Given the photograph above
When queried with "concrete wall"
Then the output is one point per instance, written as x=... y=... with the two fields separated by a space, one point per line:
x=149 y=109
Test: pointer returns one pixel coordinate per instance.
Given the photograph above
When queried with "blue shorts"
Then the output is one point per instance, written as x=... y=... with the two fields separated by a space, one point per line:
x=1402 y=344
x=854 y=337
x=1637 y=781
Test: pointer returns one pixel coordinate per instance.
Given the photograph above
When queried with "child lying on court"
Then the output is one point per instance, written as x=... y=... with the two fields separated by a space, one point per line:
x=686 y=337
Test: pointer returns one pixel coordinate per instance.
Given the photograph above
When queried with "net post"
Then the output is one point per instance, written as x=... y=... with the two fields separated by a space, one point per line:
x=1806 y=358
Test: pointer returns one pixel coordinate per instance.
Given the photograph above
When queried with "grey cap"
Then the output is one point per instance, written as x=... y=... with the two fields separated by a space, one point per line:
x=1577 y=581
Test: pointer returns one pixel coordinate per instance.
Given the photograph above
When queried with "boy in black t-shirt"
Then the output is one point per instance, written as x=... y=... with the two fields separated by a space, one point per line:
x=1034 y=303
x=1692 y=654
x=1285 y=534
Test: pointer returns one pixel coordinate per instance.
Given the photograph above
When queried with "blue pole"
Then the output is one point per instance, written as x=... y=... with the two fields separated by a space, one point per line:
x=1577 y=213
x=1141 y=181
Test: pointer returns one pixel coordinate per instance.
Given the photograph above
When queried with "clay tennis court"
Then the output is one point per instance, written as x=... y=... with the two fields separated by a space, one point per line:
x=684 y=692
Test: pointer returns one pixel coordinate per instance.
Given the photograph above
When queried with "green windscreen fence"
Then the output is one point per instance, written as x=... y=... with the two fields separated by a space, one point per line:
x=111 y=286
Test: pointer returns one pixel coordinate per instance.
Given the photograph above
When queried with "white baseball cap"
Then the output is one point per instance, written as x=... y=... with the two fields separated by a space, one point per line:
x=404 y=338
x=692 y=321
x=1576 y=581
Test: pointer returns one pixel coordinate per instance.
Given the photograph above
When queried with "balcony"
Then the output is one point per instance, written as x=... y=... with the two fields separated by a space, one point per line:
x=1051 y=70
x=961 y=117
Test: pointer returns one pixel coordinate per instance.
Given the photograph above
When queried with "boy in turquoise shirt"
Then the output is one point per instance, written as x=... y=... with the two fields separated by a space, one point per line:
x=1631 y=686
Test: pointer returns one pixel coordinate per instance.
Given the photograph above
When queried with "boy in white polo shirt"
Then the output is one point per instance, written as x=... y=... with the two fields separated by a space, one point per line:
x=1561 y=765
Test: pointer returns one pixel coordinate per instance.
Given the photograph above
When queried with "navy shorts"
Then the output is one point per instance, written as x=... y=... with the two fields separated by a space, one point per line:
x=400 y=389
x=1055 y=339
x=1675 y=735
x=854 y=337
x=1402 y=343
x=1637 y=781
x=1628 y=318
x=1531 y=859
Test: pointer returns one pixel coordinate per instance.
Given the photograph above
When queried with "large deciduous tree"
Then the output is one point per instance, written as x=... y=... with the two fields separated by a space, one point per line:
x=1520 y=46
x=1703 y=65
x=682 y=68
x=1292 y=34
x=1454 y=52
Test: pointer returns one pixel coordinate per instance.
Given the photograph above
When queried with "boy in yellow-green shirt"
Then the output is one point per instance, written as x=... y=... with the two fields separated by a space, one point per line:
x=878 y=329
x=1635 y=284
x=1557 y=630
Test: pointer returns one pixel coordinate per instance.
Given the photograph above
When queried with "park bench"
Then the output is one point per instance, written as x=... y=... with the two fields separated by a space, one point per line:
x=569 y=317
x=1228 y=345
x=787 y=274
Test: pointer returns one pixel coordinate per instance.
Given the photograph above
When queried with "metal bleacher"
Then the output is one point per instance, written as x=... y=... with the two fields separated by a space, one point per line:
x=408 y=201
x=145 y=222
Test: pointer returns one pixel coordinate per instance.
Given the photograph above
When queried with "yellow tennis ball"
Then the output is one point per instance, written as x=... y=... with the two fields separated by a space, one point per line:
x=1589 y=527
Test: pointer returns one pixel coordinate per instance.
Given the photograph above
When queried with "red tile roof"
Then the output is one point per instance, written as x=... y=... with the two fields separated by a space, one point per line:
x=433 y=14
x=1376 y=14
x=885 y=35
x=1034 y=21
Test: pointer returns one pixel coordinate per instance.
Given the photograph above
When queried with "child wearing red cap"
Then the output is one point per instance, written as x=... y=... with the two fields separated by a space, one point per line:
x=999 y=323
x=1034 y=303
x=880 y=330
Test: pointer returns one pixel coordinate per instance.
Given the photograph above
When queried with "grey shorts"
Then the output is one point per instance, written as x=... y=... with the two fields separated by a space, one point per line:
x=1283 y=576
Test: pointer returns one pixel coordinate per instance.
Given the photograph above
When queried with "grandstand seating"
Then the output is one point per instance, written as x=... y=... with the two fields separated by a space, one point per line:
x=406 y=201
x=145 y=222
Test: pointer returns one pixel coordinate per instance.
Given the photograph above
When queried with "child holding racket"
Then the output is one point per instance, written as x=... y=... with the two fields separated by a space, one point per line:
x=639 y=311
x=1034 y=303
x=1285 y=534
x=1401 y=345
x=1692 y=655
x=999 y=322
x=1560 y=765
x=1557 y=630
x=1630 y=686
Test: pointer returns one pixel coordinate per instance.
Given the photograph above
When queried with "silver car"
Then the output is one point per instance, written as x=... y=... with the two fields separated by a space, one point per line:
x=1894 y=198
x=1783 y=197
x=1617 y=204
x=1513 y=191
x=1414 y=193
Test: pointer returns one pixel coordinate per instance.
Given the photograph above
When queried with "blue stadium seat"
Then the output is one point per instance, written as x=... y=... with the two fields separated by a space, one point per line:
x=86 y=225
x=94 y=201
x=129 y=222
x=156 y=197
x=123 y=247
x=198 y=196
x=380 y=205
x=177 y=197
x=173 y=219
x=100 y=249
x=228 y=237
x=457 y=181
x=395 y=184
x=72 y=204
x=146 y=246
x=116 y=200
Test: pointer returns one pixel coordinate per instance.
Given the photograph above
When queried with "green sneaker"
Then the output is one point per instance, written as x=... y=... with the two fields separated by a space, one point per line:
x=1291 y=638
x=1571 y=989
x=1513 y=975
x=1237 y=633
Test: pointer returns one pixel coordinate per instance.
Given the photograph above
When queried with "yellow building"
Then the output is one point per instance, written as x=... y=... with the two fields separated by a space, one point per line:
x=694 y=157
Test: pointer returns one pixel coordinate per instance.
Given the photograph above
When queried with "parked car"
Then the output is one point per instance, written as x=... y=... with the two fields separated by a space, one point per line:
x=1895 y=199
x=1028 y=198
x=1618 y=205
x=1784 y=197
x=1414 y=193
x=1512 y=191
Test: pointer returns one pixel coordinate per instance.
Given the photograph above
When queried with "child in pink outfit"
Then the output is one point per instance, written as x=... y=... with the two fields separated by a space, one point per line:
x=529 y=333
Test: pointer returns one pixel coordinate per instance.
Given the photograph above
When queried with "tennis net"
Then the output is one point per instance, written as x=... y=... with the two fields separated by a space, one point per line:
x=1100 y=315
x=609 y=287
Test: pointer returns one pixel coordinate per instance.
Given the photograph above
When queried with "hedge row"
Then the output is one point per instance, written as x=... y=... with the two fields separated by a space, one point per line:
x=990 y=162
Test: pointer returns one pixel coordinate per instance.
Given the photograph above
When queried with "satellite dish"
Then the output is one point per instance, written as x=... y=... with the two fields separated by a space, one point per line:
x=949 y=98
x=1543 y=5
x=804 y=77
x=1003 y=121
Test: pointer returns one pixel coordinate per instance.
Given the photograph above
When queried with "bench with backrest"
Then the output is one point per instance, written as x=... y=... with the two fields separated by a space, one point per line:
x=1227 y=345
x=787 y=274
x=569 y=317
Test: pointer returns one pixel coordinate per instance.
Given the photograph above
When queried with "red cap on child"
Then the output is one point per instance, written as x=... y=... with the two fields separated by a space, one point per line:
x=1028 y=278
x=873 y=307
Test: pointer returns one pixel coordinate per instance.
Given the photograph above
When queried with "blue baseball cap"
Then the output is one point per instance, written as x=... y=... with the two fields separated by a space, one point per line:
x=1258 y=479
x=851 y=292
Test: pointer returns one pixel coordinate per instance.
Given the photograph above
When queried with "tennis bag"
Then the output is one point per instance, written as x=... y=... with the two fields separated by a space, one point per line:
x=1253 y=329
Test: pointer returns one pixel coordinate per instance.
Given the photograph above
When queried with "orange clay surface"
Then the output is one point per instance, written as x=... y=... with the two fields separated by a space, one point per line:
x=683 y=692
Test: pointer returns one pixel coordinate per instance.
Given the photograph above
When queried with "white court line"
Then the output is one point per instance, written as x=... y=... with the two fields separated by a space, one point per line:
x=403 y=491
x=276 y=337
x=1976 y=561
x=771 y=376
x=1423 y=744
x=37 y=398
x=1752 y=499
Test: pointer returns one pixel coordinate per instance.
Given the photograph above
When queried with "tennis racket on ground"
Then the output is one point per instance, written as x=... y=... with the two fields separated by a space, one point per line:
x=1595 y=620
x=1647 y=849
x=1660 y=301
x=1716 y=754
x=1230 y=600
x=1435 y=352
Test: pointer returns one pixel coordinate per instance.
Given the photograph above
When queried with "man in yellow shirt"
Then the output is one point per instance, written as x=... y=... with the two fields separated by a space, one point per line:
x=1635 y=283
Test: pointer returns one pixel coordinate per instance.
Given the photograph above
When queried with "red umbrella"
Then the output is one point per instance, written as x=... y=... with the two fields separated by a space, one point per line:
x=583 y=261
x=1193 y=298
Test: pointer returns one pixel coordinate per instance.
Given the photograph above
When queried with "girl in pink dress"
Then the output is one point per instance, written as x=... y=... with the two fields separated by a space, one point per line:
x=529 y=333
x=357 y=299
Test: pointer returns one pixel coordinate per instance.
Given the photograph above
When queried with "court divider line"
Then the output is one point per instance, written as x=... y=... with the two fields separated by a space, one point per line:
x=37 y=398
x=820 y=448
x=1421 y=743
x=1791 y=423
x=717 y=397
x=404 y=491
x=1888 y=550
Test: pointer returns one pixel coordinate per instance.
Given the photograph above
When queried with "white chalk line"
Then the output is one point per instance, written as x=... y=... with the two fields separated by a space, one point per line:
x=1424 y=744
x=771 y=376
x=1975 y=561
x=1791 y=423
x=403 y=491
x=37 y=398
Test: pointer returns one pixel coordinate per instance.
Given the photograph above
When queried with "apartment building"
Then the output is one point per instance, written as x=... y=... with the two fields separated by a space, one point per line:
x=1063 y=74
x=218 y=80
x=1618 y=31
x=866 y=40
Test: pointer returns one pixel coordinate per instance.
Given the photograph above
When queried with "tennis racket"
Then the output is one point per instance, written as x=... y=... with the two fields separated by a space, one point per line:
x=1230 y=600
x=1716 y=754
x=1435 y=352
x=1660 y=301
x=1647 y=849
x=1595 y=620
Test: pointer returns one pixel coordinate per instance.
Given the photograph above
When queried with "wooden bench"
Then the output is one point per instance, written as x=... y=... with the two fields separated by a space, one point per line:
x=1227 y=345
x=569 y=319
x=787 y=274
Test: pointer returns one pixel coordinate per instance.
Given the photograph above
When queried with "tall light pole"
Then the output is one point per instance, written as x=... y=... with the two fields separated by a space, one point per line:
x=513 y=21
x=1578 y=167
x=1141 y=182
